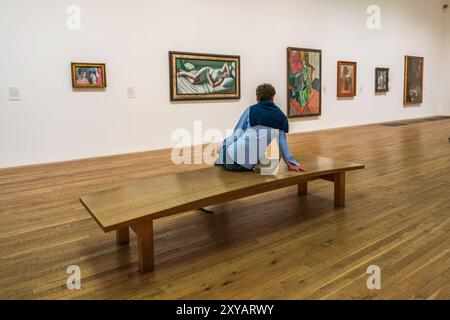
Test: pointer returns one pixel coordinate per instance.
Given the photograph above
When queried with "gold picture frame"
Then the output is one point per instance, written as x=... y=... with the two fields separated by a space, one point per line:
x=413 y=80
x=88 y=75
x=346 y=87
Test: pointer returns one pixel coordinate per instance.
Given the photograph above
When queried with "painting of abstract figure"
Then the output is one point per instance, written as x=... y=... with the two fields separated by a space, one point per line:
x=381 y=80
x=413 y=92
x=196 y=76
x=346 y=79
x=304 y=81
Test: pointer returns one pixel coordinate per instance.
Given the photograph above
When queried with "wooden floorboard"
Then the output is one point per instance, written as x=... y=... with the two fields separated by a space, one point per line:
x=272 y=246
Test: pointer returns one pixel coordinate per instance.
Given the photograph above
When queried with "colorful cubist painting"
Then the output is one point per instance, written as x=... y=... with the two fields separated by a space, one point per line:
x=304 y=82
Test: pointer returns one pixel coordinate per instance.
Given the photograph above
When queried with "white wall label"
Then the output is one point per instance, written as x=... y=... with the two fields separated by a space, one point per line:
x=131 y=92
x=14 y=94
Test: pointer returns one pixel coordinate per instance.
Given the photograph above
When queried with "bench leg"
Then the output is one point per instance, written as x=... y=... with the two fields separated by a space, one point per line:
x=145 y=246
x=122 y=236
x=303 y=188
x=339 y=189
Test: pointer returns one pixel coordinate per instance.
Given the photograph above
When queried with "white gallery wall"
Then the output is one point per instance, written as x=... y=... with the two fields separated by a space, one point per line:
x=445 y=84
x=53 y=122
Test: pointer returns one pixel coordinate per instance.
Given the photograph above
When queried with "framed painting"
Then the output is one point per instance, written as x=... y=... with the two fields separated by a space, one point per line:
x=381 y=80
x=88 y=75
x=346 y=79
x=413 y=92
x=196 y=76
x=304 y=82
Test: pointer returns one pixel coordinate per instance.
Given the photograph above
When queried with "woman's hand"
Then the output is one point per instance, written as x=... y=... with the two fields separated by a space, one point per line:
x=294 y=167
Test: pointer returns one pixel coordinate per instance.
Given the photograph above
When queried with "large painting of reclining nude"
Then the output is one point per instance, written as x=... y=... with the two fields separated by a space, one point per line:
x=304 y=82
x=195 y=76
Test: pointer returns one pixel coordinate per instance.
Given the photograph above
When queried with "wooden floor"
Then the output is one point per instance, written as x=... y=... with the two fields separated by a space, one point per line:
x=272 y=246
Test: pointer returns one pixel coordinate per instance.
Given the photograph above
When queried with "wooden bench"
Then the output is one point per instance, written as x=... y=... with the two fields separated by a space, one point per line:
x=137 y=204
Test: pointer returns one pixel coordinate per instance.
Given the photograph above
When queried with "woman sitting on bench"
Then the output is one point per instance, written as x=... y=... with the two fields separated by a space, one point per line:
x=257 y=127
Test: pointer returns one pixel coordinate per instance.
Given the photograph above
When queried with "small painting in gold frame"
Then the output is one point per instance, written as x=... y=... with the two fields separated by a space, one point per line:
x=346 y=79
x=88 y=75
